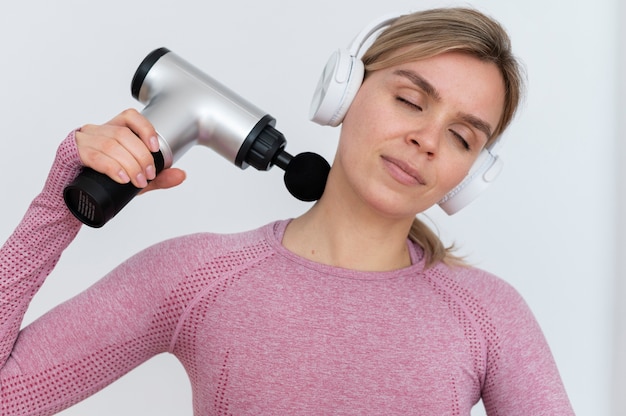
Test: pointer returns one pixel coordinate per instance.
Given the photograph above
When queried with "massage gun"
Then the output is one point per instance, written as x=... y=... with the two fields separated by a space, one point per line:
x=188 y=107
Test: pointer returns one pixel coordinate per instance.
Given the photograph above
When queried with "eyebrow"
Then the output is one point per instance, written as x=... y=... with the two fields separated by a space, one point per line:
x=477 y=123
x=420 y=82
x=432 y=92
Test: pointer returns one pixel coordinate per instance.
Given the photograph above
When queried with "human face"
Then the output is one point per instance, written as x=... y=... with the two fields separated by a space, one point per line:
x=414 y=130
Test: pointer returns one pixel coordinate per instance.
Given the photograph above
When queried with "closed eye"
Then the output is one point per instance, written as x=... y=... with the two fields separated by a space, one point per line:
x=461 y=140
x=409 y=103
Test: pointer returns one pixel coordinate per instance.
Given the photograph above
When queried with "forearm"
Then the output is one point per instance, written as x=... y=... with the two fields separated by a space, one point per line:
x=31 y=252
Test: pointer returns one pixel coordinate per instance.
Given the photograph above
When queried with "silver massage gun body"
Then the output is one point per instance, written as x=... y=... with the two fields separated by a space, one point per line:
x=187 y=107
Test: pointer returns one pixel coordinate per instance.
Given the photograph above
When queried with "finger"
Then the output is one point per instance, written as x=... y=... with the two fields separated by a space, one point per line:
x=139 y=125
x=168 y=178
x=117 y=152
x=132 y=154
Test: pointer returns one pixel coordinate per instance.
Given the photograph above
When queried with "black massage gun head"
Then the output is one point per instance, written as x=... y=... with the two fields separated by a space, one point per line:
x=305 y=176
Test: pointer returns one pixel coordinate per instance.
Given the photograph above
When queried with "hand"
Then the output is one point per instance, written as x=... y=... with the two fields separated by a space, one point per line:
x=121 y=150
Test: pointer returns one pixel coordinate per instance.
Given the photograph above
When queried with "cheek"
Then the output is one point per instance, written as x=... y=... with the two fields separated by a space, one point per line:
x=366 y=113
x=364 y=129
x=454 y=173
x=356 y=131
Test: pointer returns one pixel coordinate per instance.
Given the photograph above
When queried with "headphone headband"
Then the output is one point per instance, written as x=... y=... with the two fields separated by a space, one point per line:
x=368 y=31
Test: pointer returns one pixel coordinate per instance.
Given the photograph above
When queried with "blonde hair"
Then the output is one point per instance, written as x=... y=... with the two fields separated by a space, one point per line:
x=428 y=33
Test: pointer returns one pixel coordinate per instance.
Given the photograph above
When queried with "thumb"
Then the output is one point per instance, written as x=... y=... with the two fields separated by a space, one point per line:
x=168 y=178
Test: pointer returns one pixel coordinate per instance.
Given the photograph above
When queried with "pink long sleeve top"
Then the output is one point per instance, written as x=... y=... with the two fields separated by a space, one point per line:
x=261 y=331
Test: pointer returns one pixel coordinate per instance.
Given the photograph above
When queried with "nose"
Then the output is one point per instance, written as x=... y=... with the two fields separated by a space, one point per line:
x=426 y=142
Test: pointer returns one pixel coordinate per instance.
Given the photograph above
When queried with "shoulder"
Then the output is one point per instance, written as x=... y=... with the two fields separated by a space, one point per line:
x=489 y=304
x=474 y=285
x=520 y=371
x=190 y=251
x=190 y=259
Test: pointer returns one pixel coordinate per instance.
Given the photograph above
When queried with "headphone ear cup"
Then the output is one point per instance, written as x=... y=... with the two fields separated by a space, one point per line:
x=484 y=171
x=337 y=87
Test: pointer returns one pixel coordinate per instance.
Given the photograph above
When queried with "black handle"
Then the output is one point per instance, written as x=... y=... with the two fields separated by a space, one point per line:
x=94 y=198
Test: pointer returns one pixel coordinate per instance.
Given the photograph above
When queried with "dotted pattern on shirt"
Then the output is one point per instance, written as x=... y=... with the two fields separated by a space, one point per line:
x=206 y=284
x=50 y=390
x=476 y=323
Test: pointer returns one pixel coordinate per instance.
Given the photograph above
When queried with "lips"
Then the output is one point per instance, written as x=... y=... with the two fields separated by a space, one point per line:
x=402 y=171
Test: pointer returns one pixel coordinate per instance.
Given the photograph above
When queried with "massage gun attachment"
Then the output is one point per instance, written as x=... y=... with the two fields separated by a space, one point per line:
x=187 y=107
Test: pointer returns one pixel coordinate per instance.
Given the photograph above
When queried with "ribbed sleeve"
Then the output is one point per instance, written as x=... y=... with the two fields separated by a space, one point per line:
x=35 y=246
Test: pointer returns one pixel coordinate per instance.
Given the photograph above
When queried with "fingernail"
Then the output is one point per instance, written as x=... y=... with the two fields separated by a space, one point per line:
x=150 y=172
x=123 y=176
x=154 y=144
x=141 y=180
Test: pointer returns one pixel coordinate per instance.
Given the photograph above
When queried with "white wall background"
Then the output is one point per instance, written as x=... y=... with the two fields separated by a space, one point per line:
x=547 y=225
x=619 y=326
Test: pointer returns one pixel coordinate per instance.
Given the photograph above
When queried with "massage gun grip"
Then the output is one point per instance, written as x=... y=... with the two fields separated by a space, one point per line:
x=94 y=198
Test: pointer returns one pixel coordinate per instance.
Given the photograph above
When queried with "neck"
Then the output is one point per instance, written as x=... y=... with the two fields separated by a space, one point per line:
x=350 y=236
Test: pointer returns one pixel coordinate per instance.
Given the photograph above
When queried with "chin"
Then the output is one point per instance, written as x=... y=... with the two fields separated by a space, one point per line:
x=397 y=206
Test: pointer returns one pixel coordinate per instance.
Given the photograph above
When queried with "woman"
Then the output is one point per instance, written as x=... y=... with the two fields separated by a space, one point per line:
x=336 y=311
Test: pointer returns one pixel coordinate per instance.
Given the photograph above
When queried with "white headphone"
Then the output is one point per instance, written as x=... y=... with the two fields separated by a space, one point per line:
x=337 y=87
